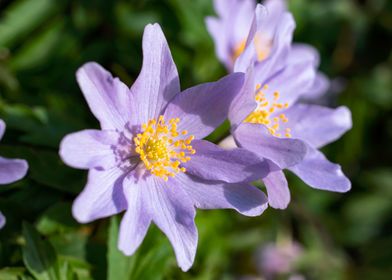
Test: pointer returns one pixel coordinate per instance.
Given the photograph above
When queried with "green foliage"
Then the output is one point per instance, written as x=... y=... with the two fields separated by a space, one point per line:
x=43 y=42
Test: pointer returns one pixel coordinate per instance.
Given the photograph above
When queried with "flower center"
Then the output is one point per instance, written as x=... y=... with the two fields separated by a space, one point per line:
x=266 y=112
x=162 y=148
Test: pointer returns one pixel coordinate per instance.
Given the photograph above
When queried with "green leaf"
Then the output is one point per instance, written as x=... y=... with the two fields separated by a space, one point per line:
x=38 y=49
x=57 y=218
x=39 y=255
x=119 y=265
x=23 y=17
x=12 y=273
x=80 y=269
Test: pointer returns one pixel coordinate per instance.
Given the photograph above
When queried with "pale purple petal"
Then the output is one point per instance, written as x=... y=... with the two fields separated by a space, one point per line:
x=293 y=81
x=318 y=125
x=299 y=54
x=280 y=50
x=158 y=80
x=89 y=149
x=222 y=47
x=173 y=212
x=204 y=107
x=223 y=7
x=275 y=10
x=108 y=98
x=103 y=196
x=318 y=172
x=244 y=198
x=256 y=138
x=320 y=86
x=2 y=220
x=303 y=52
x=241 y=19
x=12 y=170
x=277 y=189
x=244 y=103
x=214 y=163
x=2 y=128
x=249 y=55
x=136 y=220
x=231 y=28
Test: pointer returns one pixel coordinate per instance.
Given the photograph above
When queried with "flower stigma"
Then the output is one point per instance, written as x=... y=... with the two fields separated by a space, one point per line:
x=162 y=148
x=266 y=112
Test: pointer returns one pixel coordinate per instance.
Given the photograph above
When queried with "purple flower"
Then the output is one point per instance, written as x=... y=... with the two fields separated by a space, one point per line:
x=278 y=259
x=149 y=159
x=11 y=170
x=234 y=31
x=267 y=120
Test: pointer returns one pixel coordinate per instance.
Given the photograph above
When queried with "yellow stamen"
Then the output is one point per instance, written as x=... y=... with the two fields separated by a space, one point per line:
x=264 y=113
x=159 y=149
x=238 y=50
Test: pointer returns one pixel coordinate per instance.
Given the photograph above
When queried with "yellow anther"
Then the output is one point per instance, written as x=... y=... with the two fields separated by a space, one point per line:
x=265 y=112
x=159 y=149
x=238 y=49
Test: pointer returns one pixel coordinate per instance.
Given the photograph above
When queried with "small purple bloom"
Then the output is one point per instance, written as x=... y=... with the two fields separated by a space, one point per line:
x=267 y=120
x=149 y=159
x=234 y=31
x=11 y=170
x=275 y=260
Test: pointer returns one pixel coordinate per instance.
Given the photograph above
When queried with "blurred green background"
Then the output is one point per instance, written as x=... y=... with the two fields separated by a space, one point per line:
x=43 y=42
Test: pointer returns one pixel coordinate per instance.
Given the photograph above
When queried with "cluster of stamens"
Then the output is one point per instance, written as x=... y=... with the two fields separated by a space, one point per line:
x=162 y=148
x=265 y=110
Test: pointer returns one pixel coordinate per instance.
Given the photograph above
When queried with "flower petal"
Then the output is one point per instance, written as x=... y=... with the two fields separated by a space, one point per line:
x=298 y=55
x=280 y=51
x=231 y=28
x=108 y=98
x=12 y=170
x=158 y=80
x=330 y=124
x=102 y=196
x=244 y=103
x=319 y=87
x=2 y=220
x=2 y=128
x=136 y=221
x=319 y=173
x=244 y=198
x=303 y=52
x=222 y=49
x=173 y=212
x=89 y=149
x=275 y=10
x=292 y=82
x=258 y=25
x=204 y=107
x=211 y=162
x=256 y=138
x=277 y=190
